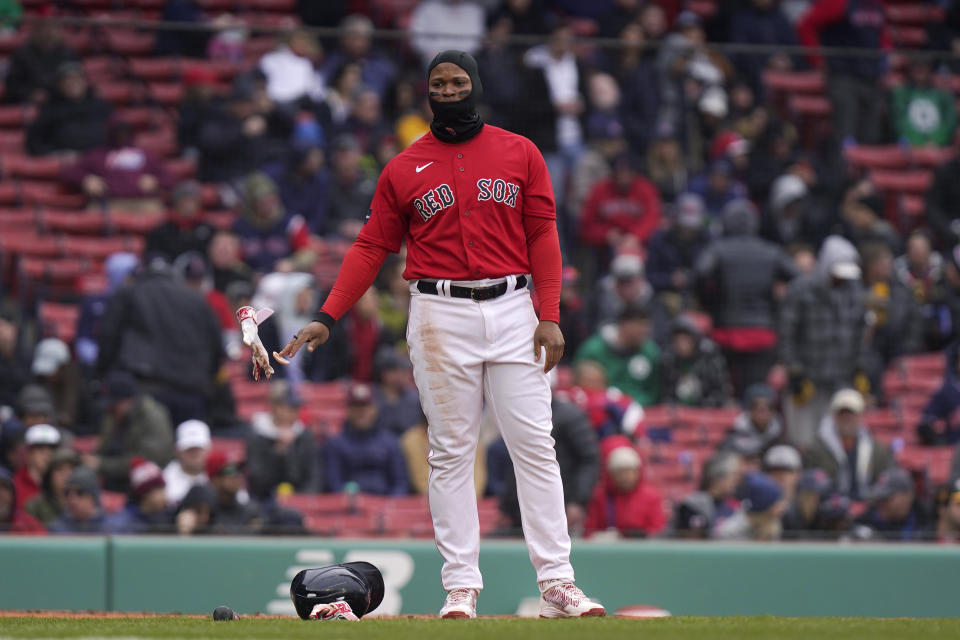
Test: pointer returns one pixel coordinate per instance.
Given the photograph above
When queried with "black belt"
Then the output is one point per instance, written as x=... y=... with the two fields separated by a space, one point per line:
x=471 y=293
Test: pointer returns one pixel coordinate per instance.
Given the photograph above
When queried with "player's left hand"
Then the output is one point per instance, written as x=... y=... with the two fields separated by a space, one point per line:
x=548 y=336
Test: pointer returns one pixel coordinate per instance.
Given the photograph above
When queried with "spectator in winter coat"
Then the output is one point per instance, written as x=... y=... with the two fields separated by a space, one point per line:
x=233 y=513
x=32 y=68
x=41 y=441
x=759 y=427
x=760 y=517
x=579 y=460
x=634 y=67
x=395 y=392
x=942 y=315
x=12 y=518
x=14 y=356
x=352 y=185
x=920 y=268
x=761 y=22
x=943 y=205
x=894 y=323
x=672 y=253
x=853 y=82
x=628 y=354
x=693 y=370
x=948 y=514
x=82 y=512
x=189 y=468
x=623 y=500
x=783 y=464
x=166 y=334
x=119 y=268
x=280 y=450
x=377 y=71
x=940 y=422
x=272 y=238
x=73 y=119
x=48 y=505
x=146 y=510
x=291 y=76
x=365 y=453
x=894 y=513
x=718 y=187
x=846 y=449
x=303 y=183
x=792 y=217
x=737 y=277
x=703 y=514
x=134 y=424
x=120 y=174
x=184 y=231
x=622 y=211
x=922 y=114
x=821 y=335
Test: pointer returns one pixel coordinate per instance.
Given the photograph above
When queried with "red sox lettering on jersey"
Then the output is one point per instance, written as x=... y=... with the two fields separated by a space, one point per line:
x=461 y=205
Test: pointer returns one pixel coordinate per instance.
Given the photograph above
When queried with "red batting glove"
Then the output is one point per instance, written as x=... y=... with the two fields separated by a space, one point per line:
x=249 y=318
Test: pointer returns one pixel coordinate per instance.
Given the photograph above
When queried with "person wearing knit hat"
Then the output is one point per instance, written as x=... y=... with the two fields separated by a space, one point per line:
x=759 y=422
x=894 y=514
x=82 y=512
x=146 y=510
x=622 y=501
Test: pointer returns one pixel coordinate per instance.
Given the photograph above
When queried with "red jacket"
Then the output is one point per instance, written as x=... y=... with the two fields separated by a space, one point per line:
x=636 y=212
x=24 y=486
x=639 y=510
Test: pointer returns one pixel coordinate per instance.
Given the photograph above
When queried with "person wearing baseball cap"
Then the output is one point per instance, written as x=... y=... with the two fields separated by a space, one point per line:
x=282 y=454
x=41 y=440
x=894 y=514
x=189 y=467
x=846 y=449
x=364 y=452
x=783 y=464
x=133 y=424
x=146 y=510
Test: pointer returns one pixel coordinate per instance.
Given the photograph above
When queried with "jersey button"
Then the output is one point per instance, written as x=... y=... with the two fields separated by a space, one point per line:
x=470 y=244
x=466 y=213
x=461 y=168
x=459 y=155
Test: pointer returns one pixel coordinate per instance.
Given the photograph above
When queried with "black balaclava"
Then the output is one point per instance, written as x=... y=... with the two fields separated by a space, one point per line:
x=457 y=121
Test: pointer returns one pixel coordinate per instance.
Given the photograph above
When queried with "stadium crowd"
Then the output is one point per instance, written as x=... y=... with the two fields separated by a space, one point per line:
x=743 y=291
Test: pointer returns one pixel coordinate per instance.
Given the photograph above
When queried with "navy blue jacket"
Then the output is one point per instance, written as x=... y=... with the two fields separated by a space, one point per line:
x=372 y=459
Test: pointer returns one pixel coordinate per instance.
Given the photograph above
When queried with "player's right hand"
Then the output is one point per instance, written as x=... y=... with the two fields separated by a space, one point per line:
x=313 y=335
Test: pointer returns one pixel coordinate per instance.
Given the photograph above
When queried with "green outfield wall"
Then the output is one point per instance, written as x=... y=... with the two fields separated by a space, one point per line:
x=252 y=575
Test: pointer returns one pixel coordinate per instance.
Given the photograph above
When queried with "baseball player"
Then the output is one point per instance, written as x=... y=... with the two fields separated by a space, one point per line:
x=476 y=207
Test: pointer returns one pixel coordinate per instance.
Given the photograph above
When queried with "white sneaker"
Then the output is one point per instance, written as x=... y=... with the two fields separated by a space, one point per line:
x=460 y=603
x=566 y=600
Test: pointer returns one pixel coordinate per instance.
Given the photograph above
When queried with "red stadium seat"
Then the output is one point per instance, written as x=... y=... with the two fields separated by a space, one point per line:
x=9 y=193
x=59 y=320
x=882 y=420
x=806 y=82
x=19 y=166
x=278 y=6
x=181 y=168
x=932 y=156
x=17 y=220
x=80 y=222
x=50 y=194
x=923 y=364
x=129 y=43
x=918 y=14
x=909 y=37
x=162 y=143
x=915 y=181
x=29 y=244
x=12 y=141
x=877 y=156
x=99 y=248
x=61 y=271
x=220 y=219
x=234 y=448
x=16 y=116
x=168 y=94
x=155 y=68
x=818 y=106
x=134 y=223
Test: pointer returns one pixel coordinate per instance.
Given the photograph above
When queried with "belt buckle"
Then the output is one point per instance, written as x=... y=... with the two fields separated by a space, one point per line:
x=475 y=295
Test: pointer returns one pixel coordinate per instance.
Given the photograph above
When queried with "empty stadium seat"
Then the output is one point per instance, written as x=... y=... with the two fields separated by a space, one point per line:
x=802 y=82
x=932 y=157
x=79 y=222
x=877 y=156
x=914 y=181
x=17 y=220
x=134 y=223
x=59 y=320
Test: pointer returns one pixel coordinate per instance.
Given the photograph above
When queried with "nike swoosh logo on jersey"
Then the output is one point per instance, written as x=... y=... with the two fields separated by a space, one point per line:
x=419 y=168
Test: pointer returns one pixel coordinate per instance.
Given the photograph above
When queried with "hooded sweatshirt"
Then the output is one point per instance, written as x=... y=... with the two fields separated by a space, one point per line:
x=18 y=520
x=636 y=372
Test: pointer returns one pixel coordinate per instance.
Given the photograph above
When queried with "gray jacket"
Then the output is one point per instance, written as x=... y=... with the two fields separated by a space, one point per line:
x=735 y=275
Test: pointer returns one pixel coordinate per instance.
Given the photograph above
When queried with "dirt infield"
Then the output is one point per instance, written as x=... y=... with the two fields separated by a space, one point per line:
x=98 y=615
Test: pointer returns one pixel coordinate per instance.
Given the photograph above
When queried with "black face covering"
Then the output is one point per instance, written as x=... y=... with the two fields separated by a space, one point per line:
x=457 y=121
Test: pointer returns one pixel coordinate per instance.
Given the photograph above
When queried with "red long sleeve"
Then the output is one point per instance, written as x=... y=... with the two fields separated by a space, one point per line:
x=593 y=228
x=823 y=13
x=649 y=222
x=358 y=271
x=546 y=264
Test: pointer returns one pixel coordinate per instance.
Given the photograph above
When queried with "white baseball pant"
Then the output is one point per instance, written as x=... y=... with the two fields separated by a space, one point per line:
x=466 y=354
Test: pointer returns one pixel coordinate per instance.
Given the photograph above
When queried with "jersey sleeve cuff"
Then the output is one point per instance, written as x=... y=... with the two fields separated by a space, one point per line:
x=325 y=319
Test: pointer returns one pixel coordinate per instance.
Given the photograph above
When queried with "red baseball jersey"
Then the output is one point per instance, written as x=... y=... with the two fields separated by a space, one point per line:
x=461 y=206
